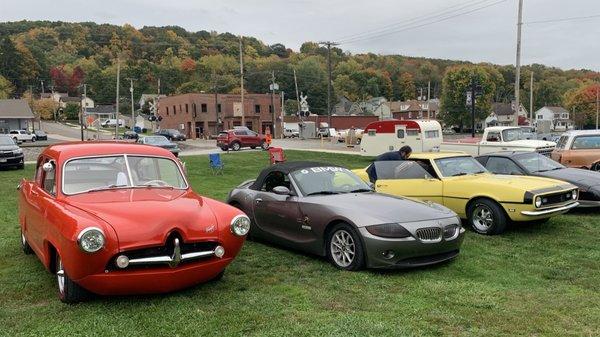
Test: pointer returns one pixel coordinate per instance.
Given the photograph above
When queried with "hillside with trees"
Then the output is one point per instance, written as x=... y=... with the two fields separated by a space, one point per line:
x=66 y=55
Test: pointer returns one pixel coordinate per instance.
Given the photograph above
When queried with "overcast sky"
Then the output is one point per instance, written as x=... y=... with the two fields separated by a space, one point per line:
x=486 y=35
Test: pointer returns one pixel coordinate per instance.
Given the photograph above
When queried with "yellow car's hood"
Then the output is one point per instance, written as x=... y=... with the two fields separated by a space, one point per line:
x=526 y=183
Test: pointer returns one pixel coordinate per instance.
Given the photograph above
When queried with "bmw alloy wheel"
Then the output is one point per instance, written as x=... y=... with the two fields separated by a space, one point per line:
x=483 y=218
x=342 y=247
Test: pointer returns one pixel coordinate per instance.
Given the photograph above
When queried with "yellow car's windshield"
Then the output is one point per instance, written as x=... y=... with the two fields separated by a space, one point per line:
x=459 y=166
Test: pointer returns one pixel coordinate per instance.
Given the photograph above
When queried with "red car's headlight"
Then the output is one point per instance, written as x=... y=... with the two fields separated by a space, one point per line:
x=91 y=239
x=240 y=225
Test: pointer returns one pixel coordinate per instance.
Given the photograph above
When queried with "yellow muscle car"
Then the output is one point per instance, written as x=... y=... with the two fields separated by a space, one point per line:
x=459 y=182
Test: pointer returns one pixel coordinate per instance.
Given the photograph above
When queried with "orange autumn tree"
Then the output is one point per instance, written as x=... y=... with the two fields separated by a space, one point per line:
x=581 y=102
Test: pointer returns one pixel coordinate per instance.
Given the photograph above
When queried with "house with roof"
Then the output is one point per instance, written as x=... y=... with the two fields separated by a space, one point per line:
x=15 y=114
x=503 y=114
x=558 y=116
x=86 y=102
x=414 y=109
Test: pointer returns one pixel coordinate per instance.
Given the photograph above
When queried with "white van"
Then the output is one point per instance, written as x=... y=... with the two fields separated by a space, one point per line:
x=112 y=122
x=390 y=135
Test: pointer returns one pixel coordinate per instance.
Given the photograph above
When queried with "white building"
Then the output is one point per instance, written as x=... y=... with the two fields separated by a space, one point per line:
x=558 y=116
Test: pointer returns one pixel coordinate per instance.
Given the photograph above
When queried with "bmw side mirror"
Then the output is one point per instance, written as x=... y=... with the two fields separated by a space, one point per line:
x=281 y=190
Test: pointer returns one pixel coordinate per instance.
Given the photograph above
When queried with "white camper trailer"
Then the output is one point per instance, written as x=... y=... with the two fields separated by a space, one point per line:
x=391 y=135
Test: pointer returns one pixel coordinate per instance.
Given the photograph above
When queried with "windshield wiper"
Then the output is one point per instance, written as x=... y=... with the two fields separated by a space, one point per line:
x=459 y=174
x=323 y=192
x=104 y=188
x=358 y=190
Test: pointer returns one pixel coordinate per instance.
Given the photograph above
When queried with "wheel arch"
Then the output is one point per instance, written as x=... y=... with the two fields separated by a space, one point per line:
x=486 y=197
x=329 y=227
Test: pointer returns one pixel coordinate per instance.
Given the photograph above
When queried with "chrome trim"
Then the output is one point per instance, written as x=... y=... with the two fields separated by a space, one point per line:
x=173 y=260
x=430 y=234
x=552 y=210
x=85 y=230
x=124 y=155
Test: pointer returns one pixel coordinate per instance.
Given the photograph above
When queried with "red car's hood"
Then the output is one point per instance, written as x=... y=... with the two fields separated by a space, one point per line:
x=145 y=217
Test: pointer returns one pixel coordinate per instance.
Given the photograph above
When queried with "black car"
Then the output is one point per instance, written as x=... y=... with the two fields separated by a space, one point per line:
x=40 y=135
x=535 y=164
x=11 y=155
x=130 y=135
x=160 y=141
x=171 y=134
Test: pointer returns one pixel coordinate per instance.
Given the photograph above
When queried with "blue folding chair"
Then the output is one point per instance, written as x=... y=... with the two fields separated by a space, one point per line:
x=215 y=163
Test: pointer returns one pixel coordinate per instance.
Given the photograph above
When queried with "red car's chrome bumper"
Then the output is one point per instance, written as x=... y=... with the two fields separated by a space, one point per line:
x=154 y=280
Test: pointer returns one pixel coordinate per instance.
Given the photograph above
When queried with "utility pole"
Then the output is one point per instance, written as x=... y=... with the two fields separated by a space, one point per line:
x=296 y=84
x=242 y=81
x=518 y=65
x=597 y=104
x=117 y=102
x=132 y=108
x=428 y=97
x=329 y=44
x=531 y=99
x=473 y=107
x=31 y=105
x=214 y=79
x=282 y=113
x=83 y=110
x=272 y=101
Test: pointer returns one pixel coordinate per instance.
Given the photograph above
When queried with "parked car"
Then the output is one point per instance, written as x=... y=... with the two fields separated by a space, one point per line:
x=579 y=148
x=11 y=155
x=40 y=135
x=499 y=138
x=238 y=138
x=327 y=132
x=160 y=141
x=171 y=134
x=117 y=218
x=327 y=210
x=130 y=135
x=291 y=133
x=534 y=164
x=112 y=123
x=461 y=183
x=22 y=136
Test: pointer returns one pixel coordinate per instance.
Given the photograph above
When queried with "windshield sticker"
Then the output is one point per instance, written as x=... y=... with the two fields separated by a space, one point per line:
x=324 y=169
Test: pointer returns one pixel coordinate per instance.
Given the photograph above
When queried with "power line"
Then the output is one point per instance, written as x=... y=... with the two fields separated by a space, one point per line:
x=410 y=27
x=563 y=19
x=444 y=11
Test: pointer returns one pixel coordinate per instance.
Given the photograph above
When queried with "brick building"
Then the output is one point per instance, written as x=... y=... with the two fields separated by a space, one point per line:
x=413 y=109
x=198 y=115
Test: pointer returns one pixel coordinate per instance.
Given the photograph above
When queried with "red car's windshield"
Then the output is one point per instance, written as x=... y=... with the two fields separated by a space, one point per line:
x=102 y=173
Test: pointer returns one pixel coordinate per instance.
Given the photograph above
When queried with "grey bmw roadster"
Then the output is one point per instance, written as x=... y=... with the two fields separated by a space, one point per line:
x=327 y=210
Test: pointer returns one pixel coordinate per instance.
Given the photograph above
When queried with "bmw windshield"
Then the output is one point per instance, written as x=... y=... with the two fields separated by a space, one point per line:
x=328 y=180
x=112 y=172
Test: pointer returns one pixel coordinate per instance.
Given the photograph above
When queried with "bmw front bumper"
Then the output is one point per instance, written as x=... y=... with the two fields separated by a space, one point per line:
x=408 y=252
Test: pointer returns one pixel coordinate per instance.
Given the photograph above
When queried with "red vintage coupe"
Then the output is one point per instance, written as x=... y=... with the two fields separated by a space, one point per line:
x=115 y=218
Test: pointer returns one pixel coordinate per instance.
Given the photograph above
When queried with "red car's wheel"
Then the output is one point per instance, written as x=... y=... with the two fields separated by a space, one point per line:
x=25 y=245
x=68 y=291
x=236 y=146
x=264 y=145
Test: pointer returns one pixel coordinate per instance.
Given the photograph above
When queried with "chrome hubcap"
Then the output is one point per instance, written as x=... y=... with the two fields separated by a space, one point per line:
x=342 y=248
x=60 y=276
x=483 y=218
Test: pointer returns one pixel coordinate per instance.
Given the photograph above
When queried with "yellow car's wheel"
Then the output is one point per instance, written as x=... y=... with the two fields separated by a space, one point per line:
x=487 y=217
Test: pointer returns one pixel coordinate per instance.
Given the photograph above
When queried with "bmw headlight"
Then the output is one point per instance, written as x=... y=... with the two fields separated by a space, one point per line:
x=240 y=225
x=18 y=151
x=389 y=230
x=538 y=202
x=91 y=239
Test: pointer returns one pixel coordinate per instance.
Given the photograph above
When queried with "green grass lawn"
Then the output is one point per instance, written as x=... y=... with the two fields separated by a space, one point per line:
x=538 y=280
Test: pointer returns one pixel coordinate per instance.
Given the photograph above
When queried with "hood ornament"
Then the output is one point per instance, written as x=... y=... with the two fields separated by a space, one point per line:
x=176 y=257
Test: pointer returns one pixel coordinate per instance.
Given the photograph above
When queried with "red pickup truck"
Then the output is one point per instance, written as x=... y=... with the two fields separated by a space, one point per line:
x=238 y=138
